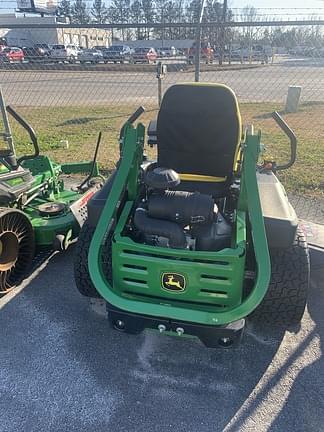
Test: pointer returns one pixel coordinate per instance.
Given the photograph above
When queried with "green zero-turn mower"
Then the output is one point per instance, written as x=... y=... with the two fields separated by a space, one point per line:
x=200 y=239
x=36 y=210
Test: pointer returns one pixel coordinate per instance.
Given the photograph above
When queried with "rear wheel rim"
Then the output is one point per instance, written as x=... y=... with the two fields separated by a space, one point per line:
x=9 y=248
x=16 y=248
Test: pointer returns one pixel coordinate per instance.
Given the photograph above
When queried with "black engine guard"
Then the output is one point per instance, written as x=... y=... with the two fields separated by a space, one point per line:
x=226 y=336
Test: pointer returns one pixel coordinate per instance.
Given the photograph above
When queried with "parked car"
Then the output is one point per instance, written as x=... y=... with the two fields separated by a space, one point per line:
x=37 y=52
x=313 y=52
x=299 y=50
x=206 y=53
x=117 y=54
x=235 y=55
x=258 y=54
x=43 y=49
x=245 y=55
x=100 y=47
x=160 y=52
x=170 y=51
x=64 y=53
x=11 y=54
x=90 y=55
x=3 y=43
x=144 y=55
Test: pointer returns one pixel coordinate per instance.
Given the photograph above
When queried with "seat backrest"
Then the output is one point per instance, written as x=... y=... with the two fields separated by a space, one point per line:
x=199 y=129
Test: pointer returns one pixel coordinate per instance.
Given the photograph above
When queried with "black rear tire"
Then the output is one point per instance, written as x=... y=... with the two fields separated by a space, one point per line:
x=81 y=272
x=17 y=248
x=285 y=301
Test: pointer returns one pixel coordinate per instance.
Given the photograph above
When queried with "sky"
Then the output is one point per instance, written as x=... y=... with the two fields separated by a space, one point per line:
x=293 y=9
x=289 y=5
x=278 y=3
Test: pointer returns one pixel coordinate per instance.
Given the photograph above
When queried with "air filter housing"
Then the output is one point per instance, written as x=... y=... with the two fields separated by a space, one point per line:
x=162 y=178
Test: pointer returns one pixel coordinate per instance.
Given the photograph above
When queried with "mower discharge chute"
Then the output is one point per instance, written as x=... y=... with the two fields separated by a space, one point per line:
x=200 y=239
x=36 y=210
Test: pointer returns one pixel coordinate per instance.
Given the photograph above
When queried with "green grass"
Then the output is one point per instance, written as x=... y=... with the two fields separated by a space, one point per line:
x=80 y=126
x=307 y=174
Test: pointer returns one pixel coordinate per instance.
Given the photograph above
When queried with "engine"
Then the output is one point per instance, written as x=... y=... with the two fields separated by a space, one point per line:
x=179 y=219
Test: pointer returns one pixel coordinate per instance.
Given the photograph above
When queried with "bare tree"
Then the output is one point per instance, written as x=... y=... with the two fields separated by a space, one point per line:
x=120 y=10
x=64 y=9
x=249 y=14
x=136 y=13
x=99 y=11
x=148 y=11
x=79 y=12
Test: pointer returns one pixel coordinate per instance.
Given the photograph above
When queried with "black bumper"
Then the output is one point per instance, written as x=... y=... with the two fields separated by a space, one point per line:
x=226 y=336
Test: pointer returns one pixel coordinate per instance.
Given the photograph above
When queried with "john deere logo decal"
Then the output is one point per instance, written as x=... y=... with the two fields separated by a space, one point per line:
x=173 y=282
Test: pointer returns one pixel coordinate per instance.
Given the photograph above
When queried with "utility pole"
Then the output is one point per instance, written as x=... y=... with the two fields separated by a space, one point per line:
x=163 y=34
x=198 y=41
x=222 y=33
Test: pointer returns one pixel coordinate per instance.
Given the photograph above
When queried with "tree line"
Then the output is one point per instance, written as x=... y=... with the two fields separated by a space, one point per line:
x=144 y=11
x=187 y=11
x=138 y=11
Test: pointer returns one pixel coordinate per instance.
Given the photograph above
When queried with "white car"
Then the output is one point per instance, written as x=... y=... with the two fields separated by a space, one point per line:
x=170 y=51
x=90 y=55
x=65 y=53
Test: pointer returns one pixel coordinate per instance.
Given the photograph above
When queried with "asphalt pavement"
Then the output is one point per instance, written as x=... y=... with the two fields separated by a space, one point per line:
x=63 y=369
x=67 y=88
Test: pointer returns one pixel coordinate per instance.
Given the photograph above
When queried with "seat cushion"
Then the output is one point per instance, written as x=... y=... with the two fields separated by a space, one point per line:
x=198 y=129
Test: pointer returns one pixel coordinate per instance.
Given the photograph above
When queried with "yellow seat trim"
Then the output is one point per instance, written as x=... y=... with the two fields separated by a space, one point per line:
x=202 y=178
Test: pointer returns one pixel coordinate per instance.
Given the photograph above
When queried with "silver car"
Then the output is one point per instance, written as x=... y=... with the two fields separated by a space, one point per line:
x=63 y=53
x=90 y=55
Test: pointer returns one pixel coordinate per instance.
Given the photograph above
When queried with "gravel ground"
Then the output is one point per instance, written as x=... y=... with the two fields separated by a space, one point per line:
x=63 y=369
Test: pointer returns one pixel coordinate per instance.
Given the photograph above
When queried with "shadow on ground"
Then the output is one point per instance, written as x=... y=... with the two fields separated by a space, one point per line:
x=303 y=409
x=63 y=368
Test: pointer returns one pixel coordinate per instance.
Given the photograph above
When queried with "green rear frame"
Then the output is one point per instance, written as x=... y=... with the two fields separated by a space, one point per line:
x=214 y=289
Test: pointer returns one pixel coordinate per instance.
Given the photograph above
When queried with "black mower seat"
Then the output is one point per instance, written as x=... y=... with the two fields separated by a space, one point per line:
x=198 y=135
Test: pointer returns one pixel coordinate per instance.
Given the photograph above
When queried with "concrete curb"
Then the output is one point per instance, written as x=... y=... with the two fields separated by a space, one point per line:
x=314 y=234
x=315 y=238
x=317 y=257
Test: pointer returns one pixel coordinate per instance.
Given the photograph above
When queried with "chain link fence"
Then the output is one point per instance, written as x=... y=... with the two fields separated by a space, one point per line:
x=70 y=82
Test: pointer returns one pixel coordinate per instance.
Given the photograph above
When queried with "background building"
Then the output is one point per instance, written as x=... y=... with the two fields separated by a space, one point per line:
x=85 y=37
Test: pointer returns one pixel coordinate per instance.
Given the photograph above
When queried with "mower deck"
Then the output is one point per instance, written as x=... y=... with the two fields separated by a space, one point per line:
x=36 y=209
x=48 y=224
